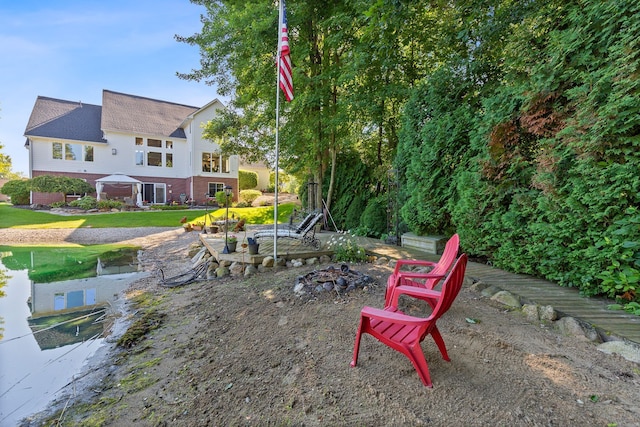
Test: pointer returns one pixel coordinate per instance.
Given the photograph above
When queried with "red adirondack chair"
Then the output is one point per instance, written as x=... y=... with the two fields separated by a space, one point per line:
x=423 y=280
x=404 y=333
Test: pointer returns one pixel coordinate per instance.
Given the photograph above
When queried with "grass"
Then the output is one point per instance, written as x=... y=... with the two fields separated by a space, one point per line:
x=12 y=217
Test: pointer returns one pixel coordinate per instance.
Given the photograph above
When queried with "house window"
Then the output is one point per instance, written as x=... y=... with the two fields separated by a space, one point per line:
x=154 y=158
x=215 y=187
x=88 y=153
x=225 y=164
x=211 y=162
x=144 y=157
x=57 y=150
x=72 y=151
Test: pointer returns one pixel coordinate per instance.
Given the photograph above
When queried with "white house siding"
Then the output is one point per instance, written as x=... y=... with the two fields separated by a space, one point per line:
x=201 y=180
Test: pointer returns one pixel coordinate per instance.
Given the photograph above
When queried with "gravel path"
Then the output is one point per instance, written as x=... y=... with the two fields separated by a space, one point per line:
x=85 y=236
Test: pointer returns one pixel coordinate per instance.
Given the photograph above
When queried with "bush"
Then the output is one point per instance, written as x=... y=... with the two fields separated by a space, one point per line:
x=86 y=203
x=247 y=180
x=346 y=249
x=169 y=207
x=109 y=204
x=221 y=197
x=249 y=196
x=373 y=222
x=18 y=190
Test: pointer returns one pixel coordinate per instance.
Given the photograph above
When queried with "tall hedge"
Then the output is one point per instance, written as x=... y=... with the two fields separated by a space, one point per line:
x=247 y=180
x=547 y=176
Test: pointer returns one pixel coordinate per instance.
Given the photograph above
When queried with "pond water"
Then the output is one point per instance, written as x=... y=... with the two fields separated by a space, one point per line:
x=49 y=330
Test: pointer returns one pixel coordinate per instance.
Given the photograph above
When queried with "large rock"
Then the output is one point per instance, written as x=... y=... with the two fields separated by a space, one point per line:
x=268 y=261
x=250 y=270
x=236 y=269
x=571 y=326
x=629 y=351
x=507 y=298
x=531 y=312
x=222 y=271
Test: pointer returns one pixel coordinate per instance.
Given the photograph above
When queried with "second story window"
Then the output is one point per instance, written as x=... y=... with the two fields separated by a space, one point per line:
x=214 y=162
x=152 y=152
x=72 y=152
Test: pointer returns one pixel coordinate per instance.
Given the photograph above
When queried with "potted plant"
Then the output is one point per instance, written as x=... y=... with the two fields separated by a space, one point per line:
x=232 y=242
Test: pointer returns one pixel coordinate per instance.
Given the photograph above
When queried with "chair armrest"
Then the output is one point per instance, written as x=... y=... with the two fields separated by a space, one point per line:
x=421 y=293
x=402 y=262
x=390 y=316
x=411 y=275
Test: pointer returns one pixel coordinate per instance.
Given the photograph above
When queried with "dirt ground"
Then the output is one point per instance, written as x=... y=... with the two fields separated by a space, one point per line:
x=249 y=352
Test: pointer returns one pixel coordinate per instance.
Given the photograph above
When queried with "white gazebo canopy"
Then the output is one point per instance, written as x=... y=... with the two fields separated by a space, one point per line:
x=118 y=178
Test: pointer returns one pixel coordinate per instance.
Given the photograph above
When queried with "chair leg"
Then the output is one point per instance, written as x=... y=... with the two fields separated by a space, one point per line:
x=416 y=356
x=435 y=333
x=356 y=346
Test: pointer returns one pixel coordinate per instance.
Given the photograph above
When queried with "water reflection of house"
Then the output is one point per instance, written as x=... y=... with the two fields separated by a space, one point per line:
x=76 y=294
x=77 y=305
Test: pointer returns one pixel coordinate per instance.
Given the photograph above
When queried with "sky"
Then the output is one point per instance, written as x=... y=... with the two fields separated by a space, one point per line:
x=73 y=49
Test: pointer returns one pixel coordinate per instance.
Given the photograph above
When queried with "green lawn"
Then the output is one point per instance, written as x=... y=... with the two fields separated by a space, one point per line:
x=12 y=217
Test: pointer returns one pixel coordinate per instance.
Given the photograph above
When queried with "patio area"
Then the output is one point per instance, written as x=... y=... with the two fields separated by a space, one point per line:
x=287 y=248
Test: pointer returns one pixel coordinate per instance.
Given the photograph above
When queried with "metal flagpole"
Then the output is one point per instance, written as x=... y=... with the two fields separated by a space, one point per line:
x=275 y=201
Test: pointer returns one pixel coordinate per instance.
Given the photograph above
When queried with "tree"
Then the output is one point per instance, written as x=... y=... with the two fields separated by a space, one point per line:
x=60 y=184
x=353 y=65
x=17 y=190
x=5 y=166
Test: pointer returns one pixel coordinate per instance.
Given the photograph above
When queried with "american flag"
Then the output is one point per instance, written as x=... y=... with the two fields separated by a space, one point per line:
x=284 y=60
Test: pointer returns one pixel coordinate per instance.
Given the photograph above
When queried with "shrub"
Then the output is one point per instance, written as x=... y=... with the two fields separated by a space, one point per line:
x=247 y=180
x=373 y=222
x=221 y=197
x=346 y=249
x=86 y=203
x=249 y=196
x=169 y=207
x=109 y=204
x=18 y=190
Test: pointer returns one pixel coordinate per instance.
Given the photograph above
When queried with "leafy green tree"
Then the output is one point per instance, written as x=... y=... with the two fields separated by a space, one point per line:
x=18 y=190
x=5 y=166
x=60 y=184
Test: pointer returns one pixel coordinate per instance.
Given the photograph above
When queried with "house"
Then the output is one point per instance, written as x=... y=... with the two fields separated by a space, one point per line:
x=155 y=145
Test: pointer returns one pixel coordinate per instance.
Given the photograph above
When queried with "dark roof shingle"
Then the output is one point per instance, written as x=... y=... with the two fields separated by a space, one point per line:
x=139 y=115
x=56 y=118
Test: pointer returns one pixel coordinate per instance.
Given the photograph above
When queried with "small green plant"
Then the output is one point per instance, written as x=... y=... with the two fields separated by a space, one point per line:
x=232 y=238
x=109 y=204
x=248 y=196
x=630 y=307
x=346 y=248
x=86 y=203
x=221 y=198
